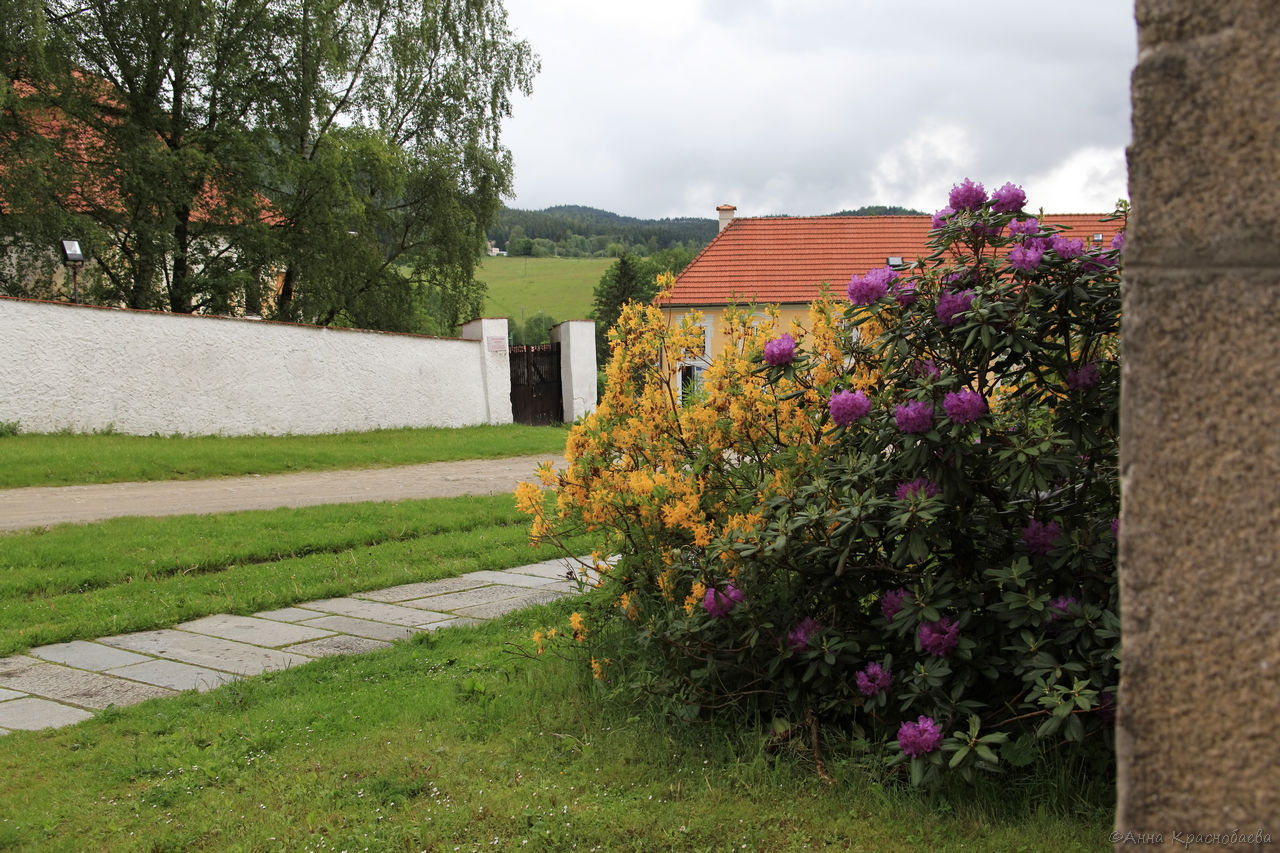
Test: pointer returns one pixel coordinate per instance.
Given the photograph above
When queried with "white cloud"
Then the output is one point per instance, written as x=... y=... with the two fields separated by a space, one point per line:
x=919 y=171
x=812 y=106
x=1089 y=180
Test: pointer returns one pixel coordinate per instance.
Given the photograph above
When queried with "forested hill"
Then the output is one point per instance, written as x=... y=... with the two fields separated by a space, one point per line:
x=570 y=230
x=576 y=231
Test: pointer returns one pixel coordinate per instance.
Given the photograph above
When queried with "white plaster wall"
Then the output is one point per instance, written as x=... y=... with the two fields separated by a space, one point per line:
x=578 y=377
x=83 y=368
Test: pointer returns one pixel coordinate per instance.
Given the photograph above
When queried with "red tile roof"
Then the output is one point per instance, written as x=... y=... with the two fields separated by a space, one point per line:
x=785 y=259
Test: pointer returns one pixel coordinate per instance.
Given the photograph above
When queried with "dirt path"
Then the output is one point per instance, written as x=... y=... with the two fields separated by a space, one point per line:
x=41 y=506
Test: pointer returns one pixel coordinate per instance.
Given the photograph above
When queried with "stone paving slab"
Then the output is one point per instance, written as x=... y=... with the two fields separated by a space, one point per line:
x=6 y=695
x=174 y=675
x=77 y=687
x=554 y=569
x=404 y=592
x=468 y=598
x=85 y=655
x=362 y=627
x=210 y=652
x=509 y=578
x=34 y=714
x=495 y=609
x=287 y=614
x=375 y=611
x=338 y=645
x=257 y=632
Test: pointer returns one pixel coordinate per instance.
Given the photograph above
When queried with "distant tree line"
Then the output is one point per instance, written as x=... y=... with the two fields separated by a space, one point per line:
x=880 y=210
x=572 y=231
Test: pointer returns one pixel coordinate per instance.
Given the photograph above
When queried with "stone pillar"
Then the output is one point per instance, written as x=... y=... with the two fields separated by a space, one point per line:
x=495 y=358
x=1198 y=737
x=577 y=339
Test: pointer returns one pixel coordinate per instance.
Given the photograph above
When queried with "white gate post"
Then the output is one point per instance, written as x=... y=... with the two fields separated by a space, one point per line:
x=577 y=339
x=495 y=365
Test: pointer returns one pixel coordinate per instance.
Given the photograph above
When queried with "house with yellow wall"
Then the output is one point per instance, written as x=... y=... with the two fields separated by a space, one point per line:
x=784 y=261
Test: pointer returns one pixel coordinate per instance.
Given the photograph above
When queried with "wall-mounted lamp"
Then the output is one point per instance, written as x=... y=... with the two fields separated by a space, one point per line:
x=73 y=257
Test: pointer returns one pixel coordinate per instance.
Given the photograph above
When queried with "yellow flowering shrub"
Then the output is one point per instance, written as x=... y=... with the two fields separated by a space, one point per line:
x=901 y=517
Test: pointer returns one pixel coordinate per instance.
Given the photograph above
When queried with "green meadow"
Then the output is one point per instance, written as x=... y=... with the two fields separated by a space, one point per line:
x=560 y=287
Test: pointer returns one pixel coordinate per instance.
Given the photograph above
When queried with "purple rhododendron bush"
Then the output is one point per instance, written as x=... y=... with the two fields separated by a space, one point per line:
x=897 y=522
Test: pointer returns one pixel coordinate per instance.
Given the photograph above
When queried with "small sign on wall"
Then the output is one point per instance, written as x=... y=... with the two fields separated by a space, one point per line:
x=496 y=343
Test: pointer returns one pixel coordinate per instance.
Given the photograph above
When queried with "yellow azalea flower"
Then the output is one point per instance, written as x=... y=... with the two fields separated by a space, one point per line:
x=579 y=627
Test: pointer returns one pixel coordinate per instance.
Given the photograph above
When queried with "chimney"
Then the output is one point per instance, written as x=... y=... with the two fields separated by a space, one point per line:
x=726 y=212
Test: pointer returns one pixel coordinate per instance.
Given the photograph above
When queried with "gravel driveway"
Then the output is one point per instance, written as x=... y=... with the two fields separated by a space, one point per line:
x=45 y=505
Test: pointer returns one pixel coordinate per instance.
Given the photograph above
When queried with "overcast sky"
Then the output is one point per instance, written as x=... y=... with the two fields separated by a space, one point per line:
x=670 y=107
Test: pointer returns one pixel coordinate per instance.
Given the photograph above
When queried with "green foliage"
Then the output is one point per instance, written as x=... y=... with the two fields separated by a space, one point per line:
x=8 y=429
x=630 y=279
x=536 y=330
x=930 y=562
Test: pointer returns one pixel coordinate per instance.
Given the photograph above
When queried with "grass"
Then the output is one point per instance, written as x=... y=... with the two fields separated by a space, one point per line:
x=560 y=287
x=451 y=742
x=133 y=574
x=53 y=459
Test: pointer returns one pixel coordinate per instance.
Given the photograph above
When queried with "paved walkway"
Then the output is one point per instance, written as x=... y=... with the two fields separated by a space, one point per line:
x=58 y=685
x=62 y=684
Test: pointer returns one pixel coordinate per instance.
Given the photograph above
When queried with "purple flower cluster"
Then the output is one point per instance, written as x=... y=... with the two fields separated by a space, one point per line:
x=919 y=487
x=1008 y=199
x=1117 y=242
x=798 y=638
x=906 y=294
x=926 y=368
x=952 y=305
x=780 y=351
x=1025 y=227
x=1115 y=528
x=914 y=417
x=919 y=738
x=1025 y=257
x=964 y=406
x=891 y=602
x=719 y=603
x=873 y=679
x=1083 y=378
x=1061 y=606
x=967 y=196
x=940 y=218
x=939 y=638
x=865 y=289
x=847 y=406
x=1039 y=536
x=1066 y=248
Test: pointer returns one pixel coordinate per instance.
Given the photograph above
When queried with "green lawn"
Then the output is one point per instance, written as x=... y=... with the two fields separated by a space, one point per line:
x=560 y=287
x=459 y=739
x=453 y=742
x=80 y=582
x=61 y=459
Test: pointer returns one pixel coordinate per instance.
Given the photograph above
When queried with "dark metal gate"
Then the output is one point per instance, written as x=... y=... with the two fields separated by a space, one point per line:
x=535 y=385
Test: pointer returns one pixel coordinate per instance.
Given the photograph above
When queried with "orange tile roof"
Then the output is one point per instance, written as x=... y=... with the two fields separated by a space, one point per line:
x=786 y=259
